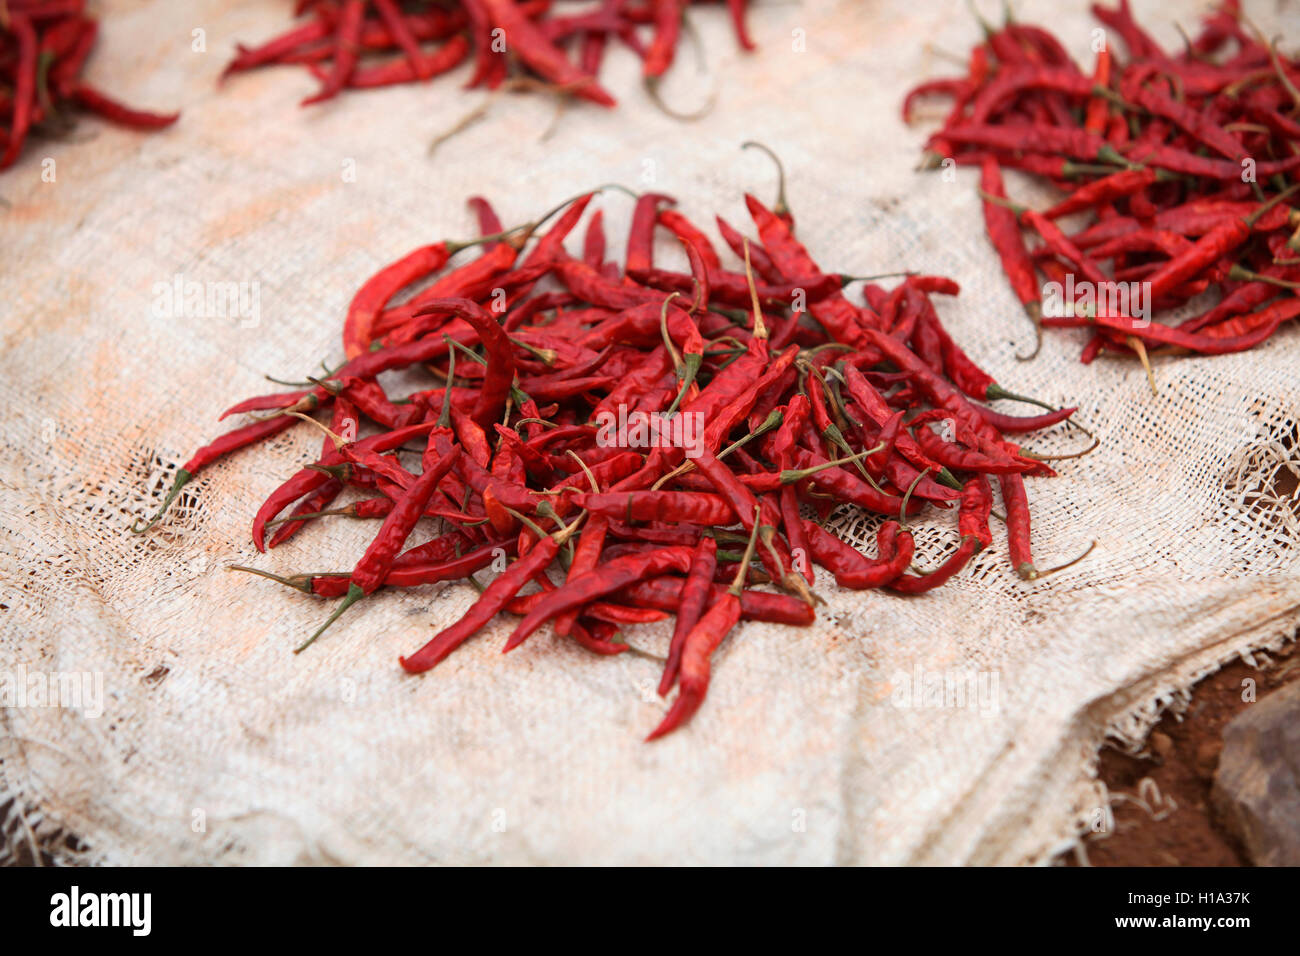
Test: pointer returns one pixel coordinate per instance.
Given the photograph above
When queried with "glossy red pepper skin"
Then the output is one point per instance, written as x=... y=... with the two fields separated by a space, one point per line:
x=716 y=623
x=531 y=45
x=665 y=593
x=493 y=599
x=851 y=568
x=695 y=594
x=347 y=49
x=608 y=578
x=519 y=456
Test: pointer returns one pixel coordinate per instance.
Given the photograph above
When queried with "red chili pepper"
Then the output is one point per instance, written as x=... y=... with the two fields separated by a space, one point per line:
x=495 y=388
x=520 y=440
x=1017 y=505
x=851 y=568
x=665 y=593
x=588 y=587
x=492 y=600
x=401 y=32
x=1099 y=106
x=1004 y=233
x=535 y=50
x=24 y=87
x=695 y=593
x=347 y=43
x=377 y=562
x=703 y=639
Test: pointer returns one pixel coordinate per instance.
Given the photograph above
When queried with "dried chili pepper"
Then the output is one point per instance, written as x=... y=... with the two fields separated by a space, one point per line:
x=1129 y=146
x=526 y=436
x=338 y=42
x=703 y=639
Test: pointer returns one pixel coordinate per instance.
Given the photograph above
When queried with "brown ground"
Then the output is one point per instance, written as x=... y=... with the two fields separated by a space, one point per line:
x=1183 y=755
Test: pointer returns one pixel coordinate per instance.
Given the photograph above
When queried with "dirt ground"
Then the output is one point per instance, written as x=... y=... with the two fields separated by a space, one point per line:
x=1181 y=828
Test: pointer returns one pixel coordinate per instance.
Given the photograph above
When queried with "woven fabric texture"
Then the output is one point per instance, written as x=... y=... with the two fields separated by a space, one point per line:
x=820 y=745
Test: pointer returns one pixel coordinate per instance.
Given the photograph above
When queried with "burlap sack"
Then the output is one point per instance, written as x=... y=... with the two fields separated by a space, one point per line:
x=823 y=745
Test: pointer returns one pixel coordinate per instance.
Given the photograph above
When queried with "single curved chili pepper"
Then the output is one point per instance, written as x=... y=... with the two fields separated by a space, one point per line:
x=665 y=592
x=695 y=593
x=792 y=524
x=1004 y=233
x=639 y=258
x=363 y=508
x=102 y=105
x=1104 y=190
x=375 y=565
x=302 y=400
x=500 y=356
x=1098 y=110
x=852 y=569
x=493 y=599
x=593 y=244
x=737 y=10
x=608 y=578
x=1017 y=506
x=919 y=584
x=702 y=640
x=667 y=26
x=887 y=439
x=528 y=43
x=24 y=88
x=976 y=506
x=1027 y=423
x=347 y=42
x=231 y=441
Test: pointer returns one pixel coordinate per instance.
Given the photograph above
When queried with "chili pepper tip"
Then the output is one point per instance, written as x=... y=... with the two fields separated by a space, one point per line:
x=182 y=479
x=355 y=594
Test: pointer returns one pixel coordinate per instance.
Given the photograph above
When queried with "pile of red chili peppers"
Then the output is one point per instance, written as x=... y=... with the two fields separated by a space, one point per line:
x=362 y=44
x=533 y=441
x=43 y=48
x=1183 y=166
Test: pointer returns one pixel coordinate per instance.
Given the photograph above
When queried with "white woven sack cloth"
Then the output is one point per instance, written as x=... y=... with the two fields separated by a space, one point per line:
x=820 y=745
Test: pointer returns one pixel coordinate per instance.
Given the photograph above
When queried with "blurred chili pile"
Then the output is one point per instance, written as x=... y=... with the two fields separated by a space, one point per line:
x=776 y=398
x=408 y=42
x=1183 y=165
x=43 y=48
